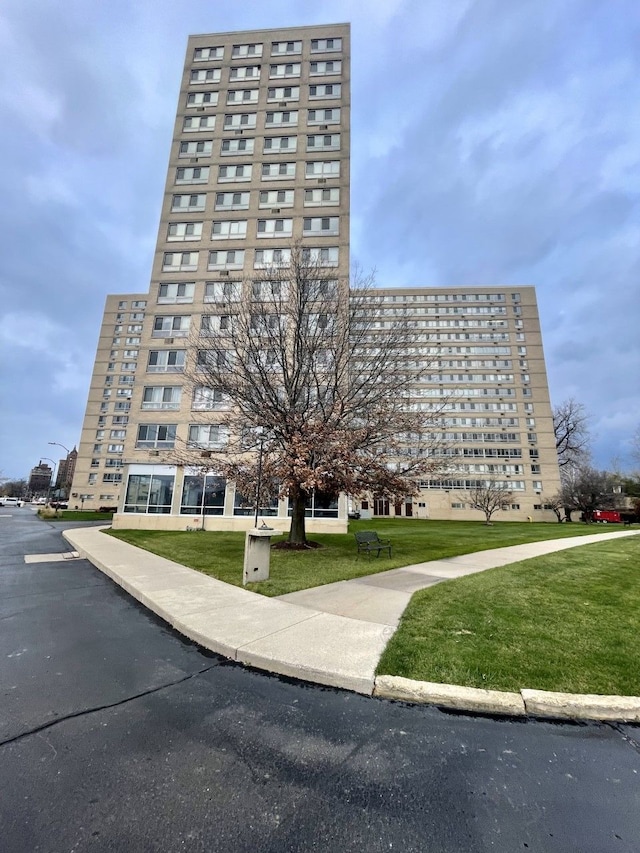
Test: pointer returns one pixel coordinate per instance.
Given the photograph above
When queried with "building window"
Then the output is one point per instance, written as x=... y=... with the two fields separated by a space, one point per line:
x=325 y=91
x=161 y=397
x=236 y=121
x=111 y=477
x=92 y=479
x=167 y=326
x=196 y=148
x=278 y=171
x=242 y=96
x=232 y=201
x=166 y=361
x=321 y=505
x=283 y=93
x=275 y=144
x=320 y=69
x=207 y=436
x=176 y=292
x=188 y=202
x=149 y=493
x=288 y=69
x=203 y=495
x=229 y=259
x=278 y=48
x=241 y=51
x=330 y=116
x=237 y=146
x=204 y=54
x=323 y=142
x=324 y=257
x=320 y=226
x=271 y=257
x=202 y=99
x=204 y=75
x=245 y=72
x=325 y=45
x=234 y=173
x=214 y=324
x=276 y=198
x=180 y=262
x=284 y=118
x=183 y=231
x=192 y=175
x=115 y=448
x=156 y=436
x=322 y=197
x=229 y=229
x=268 y=291
x=322 y=169
x=207 y=359
x=222 y=291
x=275 y=227
x=206 y=399
x=193 y=124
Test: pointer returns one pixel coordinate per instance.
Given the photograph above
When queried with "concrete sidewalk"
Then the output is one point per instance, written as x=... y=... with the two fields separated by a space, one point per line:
x=333 y=634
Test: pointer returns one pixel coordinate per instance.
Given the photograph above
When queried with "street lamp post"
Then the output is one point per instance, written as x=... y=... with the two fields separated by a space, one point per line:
x=57 y=443
x=53 y=474
x=260 y=432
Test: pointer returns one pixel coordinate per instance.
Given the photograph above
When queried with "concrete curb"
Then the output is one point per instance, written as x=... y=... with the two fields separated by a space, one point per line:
x=449 y=696
x=525 y=703
x=581 y=706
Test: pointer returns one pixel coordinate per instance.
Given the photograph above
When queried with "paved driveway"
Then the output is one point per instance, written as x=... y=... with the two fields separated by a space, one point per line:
x=118 y=735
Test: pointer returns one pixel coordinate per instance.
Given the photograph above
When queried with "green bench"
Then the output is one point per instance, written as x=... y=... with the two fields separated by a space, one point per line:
x=368 y=541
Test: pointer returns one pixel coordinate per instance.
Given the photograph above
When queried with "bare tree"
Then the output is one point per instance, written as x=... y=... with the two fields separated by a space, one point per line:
x=307 y=368
x=489 y=496
x=571 y=429
x=635 y=446
x=557 y=503
x=586 y=490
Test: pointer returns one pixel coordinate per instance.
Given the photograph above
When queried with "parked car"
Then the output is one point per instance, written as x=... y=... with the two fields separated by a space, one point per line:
x=5 y=501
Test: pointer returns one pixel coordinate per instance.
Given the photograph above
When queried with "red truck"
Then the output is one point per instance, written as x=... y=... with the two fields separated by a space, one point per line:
x=607 y=516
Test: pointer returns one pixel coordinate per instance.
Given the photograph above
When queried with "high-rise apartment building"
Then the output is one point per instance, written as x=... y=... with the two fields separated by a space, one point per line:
x=259 y=162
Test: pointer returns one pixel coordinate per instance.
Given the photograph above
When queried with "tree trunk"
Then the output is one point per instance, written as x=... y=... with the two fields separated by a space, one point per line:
x=297 y=533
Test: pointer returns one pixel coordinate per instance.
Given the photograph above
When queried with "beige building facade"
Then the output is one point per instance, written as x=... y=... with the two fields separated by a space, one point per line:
x=259 y=162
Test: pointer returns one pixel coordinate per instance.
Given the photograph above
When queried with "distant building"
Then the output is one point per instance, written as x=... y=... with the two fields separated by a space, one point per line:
x=40 y=479
x=66 y=470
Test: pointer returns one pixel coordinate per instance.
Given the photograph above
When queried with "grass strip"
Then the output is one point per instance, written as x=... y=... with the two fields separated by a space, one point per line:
x=568 y=621
x=220 y=554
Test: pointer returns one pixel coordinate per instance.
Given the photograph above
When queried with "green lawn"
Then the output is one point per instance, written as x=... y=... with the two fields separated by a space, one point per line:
x=569 y=621
x=76 y=515
x=220 y=554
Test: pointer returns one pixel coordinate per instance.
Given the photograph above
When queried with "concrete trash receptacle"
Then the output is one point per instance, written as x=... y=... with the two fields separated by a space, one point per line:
x=257 y=554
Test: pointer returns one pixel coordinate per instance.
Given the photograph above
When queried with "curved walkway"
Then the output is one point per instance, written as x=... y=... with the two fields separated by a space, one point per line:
x=333 y=634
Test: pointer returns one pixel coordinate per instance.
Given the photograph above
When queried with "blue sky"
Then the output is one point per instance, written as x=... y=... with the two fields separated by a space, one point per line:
x=494 y=142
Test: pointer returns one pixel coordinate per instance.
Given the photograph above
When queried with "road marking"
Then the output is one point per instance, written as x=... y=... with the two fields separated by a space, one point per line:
x=51 y=558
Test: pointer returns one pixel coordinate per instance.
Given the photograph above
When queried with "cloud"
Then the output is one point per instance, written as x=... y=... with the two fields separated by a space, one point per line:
x=492 y=143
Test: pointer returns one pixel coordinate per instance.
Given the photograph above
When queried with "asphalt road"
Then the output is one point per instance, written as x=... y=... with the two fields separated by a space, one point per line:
x=118 y=735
